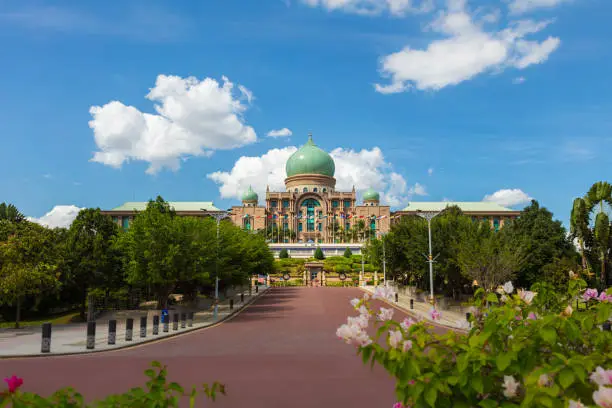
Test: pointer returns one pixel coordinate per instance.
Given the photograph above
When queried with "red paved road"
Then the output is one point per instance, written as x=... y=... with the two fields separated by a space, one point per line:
x=280 y=352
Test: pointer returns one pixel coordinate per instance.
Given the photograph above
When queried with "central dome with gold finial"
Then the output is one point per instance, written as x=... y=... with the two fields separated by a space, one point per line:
x=310 y=159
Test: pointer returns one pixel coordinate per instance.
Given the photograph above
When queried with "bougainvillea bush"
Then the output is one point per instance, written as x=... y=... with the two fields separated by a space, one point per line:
x=158 y=394
x=518 y=352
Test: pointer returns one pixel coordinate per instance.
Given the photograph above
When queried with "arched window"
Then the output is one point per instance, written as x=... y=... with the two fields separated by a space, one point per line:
x=315 y=190
x=296 y=190
x=324 y=190
x=305 y=189
x=310 y=205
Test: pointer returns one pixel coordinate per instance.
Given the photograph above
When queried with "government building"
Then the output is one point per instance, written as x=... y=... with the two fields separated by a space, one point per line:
x=311 y=213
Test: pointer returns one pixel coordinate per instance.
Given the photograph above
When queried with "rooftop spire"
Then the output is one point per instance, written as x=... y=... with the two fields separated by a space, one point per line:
x=310 y=138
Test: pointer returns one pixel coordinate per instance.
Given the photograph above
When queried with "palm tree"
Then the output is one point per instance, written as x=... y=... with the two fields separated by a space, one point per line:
x=579 y=229
x=8 y=212
x=598 y=196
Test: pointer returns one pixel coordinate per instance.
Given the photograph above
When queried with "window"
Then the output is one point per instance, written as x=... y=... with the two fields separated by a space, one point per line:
x=296 y=190
x=324 y=190
x=305 y=190
x=247 y=224
x=347 y=203
x=319 y=240
x=347 y=226
x=335 y=203
x=315 y=189
x=300 y=227
x=496 y=224
x=310 y=205
x=320 y=227
x=320 y=214
x=285 y=203
x=474 y=219
x=273 y=204
x=115 y=219
x=285 y=226
x=373 y=224
x=126 y=222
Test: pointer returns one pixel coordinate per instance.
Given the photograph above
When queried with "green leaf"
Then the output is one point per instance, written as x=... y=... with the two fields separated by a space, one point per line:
x=488 y=403
x=492 y=297
x=549 y=335
x=603 y=314
x=503 y=360
x=431 y=394
x=477 y=385
x=566 y=377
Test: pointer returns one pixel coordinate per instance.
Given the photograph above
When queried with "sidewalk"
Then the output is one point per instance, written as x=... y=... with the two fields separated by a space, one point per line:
x=71 y=339
x=422 y=310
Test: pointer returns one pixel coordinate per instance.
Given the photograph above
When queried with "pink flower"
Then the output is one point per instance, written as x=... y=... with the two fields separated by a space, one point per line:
x=589 y=294
x=407 y=323
x=435 y=315
x=544 y=380
x=411 y=382
x=384 y=292
x=518 y=317
x=13 y=383
x=395 y=338
x=526 y=295
x=601 y=377
x=532 y=316
x=355 y=302
x=603 y=397
x=398 y=405
x=385 y=314
x=407 y=345
x=603 y=297
x=510 y=386
x=576 y=404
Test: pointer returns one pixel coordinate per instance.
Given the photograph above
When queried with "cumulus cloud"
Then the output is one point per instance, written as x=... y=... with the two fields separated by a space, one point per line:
x=284 y=132
x=194 y=117
x=467 y=51
x=508 y=197
x=61 y=216
x=374 y=7
x=362 y=169
x=521 y=6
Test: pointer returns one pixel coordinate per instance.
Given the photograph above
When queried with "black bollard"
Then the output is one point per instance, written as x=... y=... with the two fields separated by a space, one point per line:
x=231 y=304
x=129 y=329
x=467 y=316
x=183 y=320
x=396 y=298
x=411 y=304
x=190 y=317
x=256 y=289
x=112 y=331
x=606 y=326
x=45 y=346
x=242 y=298
x=166 y=323
x=143 y=326
x=155 y=325
x=91 y=335
x=175 y=322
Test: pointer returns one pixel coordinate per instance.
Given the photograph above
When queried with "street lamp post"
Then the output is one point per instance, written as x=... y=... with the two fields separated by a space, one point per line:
x=218 y=216
x=429 y=215
x=384 y=260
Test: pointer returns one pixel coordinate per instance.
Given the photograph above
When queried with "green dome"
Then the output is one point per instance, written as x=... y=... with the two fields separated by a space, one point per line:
x=371 y=195
x=310 y=159
x=249 y=195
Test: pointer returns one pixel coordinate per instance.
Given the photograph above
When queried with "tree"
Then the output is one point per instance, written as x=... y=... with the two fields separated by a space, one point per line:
x=348 y=253
x=9 y=212
x=485 y=257
x=283 y=254
x=319 y=254
x=27 y=265
x=91 y=260
x=540 y=240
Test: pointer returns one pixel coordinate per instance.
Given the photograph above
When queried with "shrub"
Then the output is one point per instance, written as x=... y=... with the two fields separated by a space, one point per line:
x=159 y=393
x=516 y=353
x=283 y=254
x=318 y=255
x=348 y=253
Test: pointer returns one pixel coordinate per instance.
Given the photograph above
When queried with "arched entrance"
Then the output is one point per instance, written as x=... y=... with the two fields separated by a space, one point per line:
x=313 y=273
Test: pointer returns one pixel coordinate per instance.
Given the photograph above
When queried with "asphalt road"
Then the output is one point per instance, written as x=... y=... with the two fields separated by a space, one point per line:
x=282 y=351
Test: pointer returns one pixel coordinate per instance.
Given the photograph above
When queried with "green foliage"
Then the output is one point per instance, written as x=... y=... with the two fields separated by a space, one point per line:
x=348 y=253
x=319 y=254
x=159 y=393
x=550 y=353
x=10 y=213
x=283 y=254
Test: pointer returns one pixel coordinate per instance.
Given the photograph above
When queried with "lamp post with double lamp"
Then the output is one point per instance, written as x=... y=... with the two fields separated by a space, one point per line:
x=218 y=216
x=429 y=215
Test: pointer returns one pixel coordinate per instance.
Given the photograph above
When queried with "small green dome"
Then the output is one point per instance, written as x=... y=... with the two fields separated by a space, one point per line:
x=371 y=195
x=310 y=159
x=250 y=195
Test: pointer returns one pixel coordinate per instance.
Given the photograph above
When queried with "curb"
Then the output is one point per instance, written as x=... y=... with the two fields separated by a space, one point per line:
x=146 y=342
x=408 y=312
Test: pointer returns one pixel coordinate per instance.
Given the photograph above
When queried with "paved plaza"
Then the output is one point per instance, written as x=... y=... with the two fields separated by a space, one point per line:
x=281 y=351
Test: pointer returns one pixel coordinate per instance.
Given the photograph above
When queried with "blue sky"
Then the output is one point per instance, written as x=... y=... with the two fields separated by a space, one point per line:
x=440 y=100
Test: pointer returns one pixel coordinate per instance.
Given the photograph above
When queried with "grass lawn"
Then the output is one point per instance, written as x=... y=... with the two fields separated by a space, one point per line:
x=71 y=317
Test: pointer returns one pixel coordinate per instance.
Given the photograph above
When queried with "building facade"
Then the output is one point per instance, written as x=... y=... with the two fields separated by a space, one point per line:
x=310 y=209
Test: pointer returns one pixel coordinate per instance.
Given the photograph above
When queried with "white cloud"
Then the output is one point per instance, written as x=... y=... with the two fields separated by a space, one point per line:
x=61 y=216
x=418 y=189
x=362 y=169
x=508 y=197
x=430 y=171
x=521 y=6
x=374 y=7
x=284 y=132
x=193 y=118
x=518 y=80
x=467 y=51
